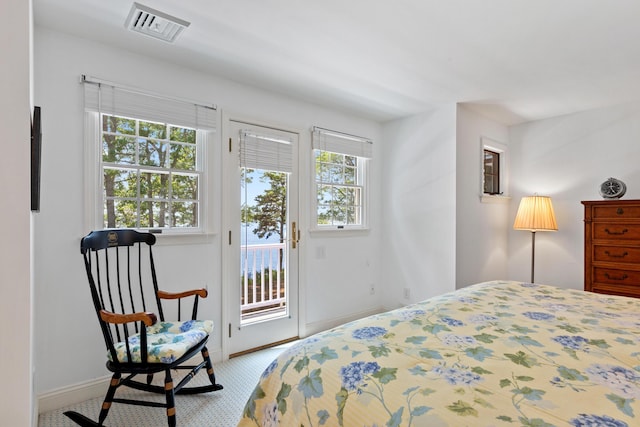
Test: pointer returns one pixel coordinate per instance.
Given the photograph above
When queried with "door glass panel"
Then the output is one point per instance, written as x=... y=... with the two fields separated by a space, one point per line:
x=264 y=255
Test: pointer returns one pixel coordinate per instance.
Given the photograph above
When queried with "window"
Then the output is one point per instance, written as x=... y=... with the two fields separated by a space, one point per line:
x=491 y=172
x=494 y=177
x=340 y=162
x=151 y=178
x=147 y=160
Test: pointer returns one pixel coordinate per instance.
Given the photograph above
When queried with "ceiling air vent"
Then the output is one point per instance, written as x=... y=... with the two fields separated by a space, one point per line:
x=154 y=23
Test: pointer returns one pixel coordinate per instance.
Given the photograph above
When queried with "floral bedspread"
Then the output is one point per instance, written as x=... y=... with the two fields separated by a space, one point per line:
x=492 y=354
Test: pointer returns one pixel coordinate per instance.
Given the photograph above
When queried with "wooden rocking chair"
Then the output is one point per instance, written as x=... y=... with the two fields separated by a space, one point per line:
x=122 y=278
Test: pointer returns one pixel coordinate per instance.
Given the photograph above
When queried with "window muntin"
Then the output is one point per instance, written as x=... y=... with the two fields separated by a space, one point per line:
x=340 y=189
x=151 y=174
x=491 y=172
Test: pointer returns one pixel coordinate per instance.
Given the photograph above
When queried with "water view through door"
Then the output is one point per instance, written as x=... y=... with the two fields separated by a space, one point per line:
x=263 y=292
x=263 y=248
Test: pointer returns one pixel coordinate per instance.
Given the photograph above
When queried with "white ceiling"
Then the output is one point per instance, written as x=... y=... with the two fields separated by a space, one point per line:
x=516 y=60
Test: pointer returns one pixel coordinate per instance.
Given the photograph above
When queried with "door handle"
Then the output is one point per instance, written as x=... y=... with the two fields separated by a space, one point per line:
x=295 y=235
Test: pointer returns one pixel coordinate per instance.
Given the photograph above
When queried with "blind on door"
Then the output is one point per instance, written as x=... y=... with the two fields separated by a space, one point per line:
x=266 y=152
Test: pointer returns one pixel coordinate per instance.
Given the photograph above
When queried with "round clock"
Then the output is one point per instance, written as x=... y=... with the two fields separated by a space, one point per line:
x=612 y=189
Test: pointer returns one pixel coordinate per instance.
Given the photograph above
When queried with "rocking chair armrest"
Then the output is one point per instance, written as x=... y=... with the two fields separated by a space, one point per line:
x=196 y=293
x=146 y=317
x=202 y=293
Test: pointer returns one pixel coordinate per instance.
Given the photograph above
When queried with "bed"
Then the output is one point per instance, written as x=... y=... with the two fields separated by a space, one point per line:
x=498 y=353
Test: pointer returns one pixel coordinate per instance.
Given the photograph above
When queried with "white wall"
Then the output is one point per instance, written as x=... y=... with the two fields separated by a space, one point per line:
x=16 y=349
x=68 y=340
x=567 y=158
x=429 y=233
x=481 y=228
x=419 y=186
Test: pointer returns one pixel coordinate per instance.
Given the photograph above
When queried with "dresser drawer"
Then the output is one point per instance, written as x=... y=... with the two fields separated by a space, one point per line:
x=616 y=277
x=616 y=231
x=618 y=254
x=618 y=212
x=625 y=291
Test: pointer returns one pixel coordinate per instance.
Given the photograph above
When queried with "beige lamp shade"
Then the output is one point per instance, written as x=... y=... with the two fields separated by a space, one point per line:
x=535 y=213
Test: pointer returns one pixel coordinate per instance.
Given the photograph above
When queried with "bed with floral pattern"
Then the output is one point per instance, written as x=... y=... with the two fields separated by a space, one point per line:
x=492 y=354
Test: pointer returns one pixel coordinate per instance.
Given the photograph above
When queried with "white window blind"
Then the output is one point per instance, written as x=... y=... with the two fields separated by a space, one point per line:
x=338 y=142
x=107 y=98
x=266 y=152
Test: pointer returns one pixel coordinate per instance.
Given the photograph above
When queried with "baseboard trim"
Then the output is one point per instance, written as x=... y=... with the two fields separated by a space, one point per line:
x=73 y=394
x=76 y=393
x=315 y=327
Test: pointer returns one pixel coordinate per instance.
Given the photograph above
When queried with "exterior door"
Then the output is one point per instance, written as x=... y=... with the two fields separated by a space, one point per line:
x=261 y=256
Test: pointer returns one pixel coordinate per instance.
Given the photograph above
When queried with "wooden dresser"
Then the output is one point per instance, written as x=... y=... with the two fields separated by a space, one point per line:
x=612 y=247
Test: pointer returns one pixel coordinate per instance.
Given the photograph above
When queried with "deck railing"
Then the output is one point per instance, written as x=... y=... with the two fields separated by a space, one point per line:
x=263 y=279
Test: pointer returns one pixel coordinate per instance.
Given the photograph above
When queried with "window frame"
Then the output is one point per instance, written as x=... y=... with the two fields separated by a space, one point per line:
x=94 y=179
x=487 y=144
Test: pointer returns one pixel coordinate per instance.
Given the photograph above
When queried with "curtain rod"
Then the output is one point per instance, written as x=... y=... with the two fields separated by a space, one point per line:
x=343 y=134
x=99 y=82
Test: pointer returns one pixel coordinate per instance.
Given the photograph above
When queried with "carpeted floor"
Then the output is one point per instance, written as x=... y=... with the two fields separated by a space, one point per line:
x=217 y=409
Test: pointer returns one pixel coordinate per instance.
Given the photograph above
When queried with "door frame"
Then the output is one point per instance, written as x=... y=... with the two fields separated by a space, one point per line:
x=227 y=213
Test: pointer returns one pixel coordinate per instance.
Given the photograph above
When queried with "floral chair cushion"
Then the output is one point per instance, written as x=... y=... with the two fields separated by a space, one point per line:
x=166 y=341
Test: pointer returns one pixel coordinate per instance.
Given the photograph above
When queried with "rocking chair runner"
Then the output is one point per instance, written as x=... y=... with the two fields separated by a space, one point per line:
x=122 y=278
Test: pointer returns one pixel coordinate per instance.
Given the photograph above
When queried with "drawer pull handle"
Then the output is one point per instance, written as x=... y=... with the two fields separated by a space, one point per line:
x=615 y=233
x=620 y=211
x=622 y=255
x=623 y=277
